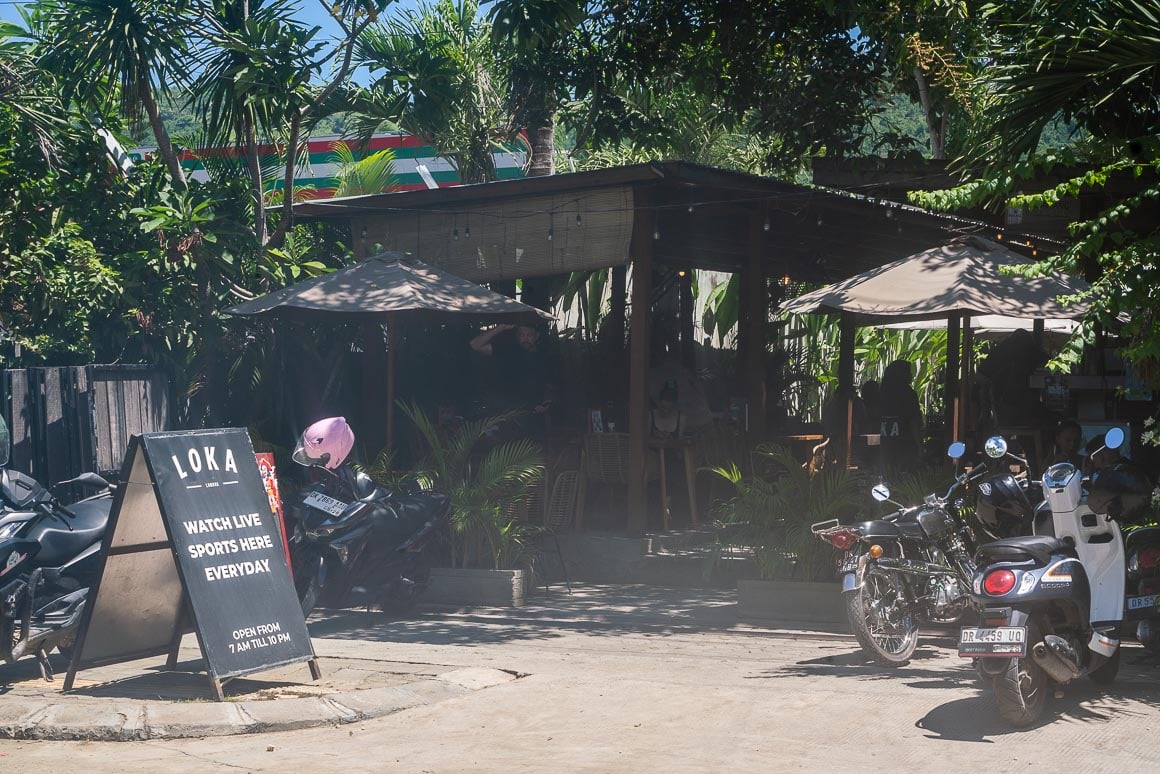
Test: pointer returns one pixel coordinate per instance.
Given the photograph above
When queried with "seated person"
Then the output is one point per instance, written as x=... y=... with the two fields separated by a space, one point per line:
x=666 y=420
x=1067 y=437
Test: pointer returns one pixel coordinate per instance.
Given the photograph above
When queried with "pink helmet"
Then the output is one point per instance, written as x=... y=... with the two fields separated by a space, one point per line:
x=326 y=443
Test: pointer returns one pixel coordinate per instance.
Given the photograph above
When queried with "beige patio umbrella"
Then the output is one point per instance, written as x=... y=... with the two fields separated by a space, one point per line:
x=961 y=277
x=381 y=288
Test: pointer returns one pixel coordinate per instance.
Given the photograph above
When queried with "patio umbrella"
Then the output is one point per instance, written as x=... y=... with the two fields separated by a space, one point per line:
x=379 y=289
x=961 y=277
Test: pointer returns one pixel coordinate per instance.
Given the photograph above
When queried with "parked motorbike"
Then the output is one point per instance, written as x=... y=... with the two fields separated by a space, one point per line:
x=1052 y=605
x=905 y=568
x=49 y=556
x=1142 y=605
x=353 y=541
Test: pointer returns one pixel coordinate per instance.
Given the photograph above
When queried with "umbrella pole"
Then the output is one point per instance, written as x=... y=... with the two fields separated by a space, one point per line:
x=390 y=382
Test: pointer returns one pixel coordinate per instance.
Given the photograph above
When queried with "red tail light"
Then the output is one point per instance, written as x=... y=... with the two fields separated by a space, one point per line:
x=843 y=540
x=1150 y=557
x=999 y=582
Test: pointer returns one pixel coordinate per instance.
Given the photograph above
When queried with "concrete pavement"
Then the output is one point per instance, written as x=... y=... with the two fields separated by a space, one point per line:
x=651 y=680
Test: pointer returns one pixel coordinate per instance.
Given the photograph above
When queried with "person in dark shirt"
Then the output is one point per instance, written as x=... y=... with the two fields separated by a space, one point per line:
x=525 y=371
x=900 y=419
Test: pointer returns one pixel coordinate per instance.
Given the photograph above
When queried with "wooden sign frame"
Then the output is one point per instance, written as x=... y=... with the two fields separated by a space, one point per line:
x=191 y=544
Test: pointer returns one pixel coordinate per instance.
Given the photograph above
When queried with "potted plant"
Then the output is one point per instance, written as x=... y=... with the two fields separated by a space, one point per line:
x=771 y=514
x=490 y=548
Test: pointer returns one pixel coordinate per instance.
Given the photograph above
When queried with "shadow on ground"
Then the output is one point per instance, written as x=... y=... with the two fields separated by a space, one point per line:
x=598 y=611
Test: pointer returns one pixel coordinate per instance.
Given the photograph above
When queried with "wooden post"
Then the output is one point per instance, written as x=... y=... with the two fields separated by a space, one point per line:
x=966 y=421
x=846 y=329
x=1037 y=330
x=753 y=317
x=688 y=348
x=391 y=346
x=951 y=391
x=643 y=226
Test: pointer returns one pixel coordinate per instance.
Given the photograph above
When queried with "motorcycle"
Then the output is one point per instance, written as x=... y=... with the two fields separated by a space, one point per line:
x=1142 y=605
x=1052 y=604
x=353 y=541
x=49 y=556
x=910 y=566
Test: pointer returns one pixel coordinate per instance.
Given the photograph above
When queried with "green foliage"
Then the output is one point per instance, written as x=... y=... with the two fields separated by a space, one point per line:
x=372 y=174
x=773 y=513
x=481 y=478
x=1094 y=65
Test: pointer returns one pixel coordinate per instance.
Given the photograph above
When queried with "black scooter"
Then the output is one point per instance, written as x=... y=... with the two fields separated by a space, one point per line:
x=49 y=556
x=357 y=543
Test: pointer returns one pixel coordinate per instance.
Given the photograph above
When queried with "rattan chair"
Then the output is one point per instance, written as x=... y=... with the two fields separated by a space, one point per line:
x=559 y=517
x=604 y=460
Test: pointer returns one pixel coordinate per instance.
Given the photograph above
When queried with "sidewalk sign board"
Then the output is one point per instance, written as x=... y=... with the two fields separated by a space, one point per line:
x=191 y=542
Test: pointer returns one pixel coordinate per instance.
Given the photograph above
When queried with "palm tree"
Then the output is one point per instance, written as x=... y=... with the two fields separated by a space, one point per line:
x=371 y=174
x=126 y=51
x=536 y=37
x=436 y=76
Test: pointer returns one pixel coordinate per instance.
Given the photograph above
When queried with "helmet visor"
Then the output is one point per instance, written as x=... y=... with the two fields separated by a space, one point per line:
x=303 y=455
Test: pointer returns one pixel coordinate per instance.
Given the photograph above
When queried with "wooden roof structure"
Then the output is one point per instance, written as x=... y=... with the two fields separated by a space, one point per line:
x=671 y=213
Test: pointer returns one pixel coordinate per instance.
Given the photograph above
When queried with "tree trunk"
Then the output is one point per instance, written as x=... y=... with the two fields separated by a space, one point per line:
x=161 y=135
x=287 y=221
x=257 y=189
x=543 y=147
x=936 y=128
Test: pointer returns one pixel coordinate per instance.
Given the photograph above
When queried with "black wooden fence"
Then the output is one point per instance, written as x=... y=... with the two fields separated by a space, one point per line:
x=68 y=420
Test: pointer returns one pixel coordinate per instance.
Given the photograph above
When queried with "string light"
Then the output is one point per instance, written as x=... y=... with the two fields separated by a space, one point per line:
x=467 y=231
x=657 y=234
x=999 y=236
x=578 y=220
x=550 y=235
x=680 y=272
x=765 y=225
x=455 y=234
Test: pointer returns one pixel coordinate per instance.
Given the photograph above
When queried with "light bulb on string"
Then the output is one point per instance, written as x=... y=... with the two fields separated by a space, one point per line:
x=765 y=225
x=579 y=220
x=550 y=235
x=467 y=231
x=656 y=233
x=455 y=234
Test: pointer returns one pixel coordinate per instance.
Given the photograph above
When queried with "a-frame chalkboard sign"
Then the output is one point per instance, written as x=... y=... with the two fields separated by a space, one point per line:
x=191 y=542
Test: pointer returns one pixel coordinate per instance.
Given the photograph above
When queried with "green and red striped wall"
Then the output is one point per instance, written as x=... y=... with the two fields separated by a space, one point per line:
x=317 y=177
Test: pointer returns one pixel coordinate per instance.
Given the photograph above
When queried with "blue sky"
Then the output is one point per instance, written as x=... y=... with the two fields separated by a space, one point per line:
x=311 y=13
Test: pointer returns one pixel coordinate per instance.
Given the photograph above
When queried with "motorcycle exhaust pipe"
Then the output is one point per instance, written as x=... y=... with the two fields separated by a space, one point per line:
x=1057 y=658
x=916 y=568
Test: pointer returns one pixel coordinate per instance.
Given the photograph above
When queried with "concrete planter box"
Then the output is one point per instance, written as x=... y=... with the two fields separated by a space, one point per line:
x=774 y=602
x=494 y=588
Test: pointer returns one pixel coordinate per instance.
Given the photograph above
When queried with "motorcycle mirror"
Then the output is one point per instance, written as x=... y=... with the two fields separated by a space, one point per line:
x=1114 y=438
x=87 y=479
x=881 y=493
x=956 y=450
x=995 y=447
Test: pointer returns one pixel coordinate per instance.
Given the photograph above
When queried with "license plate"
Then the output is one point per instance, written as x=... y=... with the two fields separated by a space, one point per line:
x=1144 y=603
x=324 y=503
x=1001 y=642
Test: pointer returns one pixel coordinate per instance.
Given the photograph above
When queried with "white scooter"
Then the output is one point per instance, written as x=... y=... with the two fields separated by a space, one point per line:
x=1052 y=605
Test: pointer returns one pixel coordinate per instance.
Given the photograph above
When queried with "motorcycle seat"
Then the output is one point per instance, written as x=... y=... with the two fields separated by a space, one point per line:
x=1016 y=549
x=58 y=543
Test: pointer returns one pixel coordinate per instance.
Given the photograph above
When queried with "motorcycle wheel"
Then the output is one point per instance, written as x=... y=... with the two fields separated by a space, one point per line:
x=1106 y=672
x=1021 y=692
x=308 y=582
x=868 y=608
